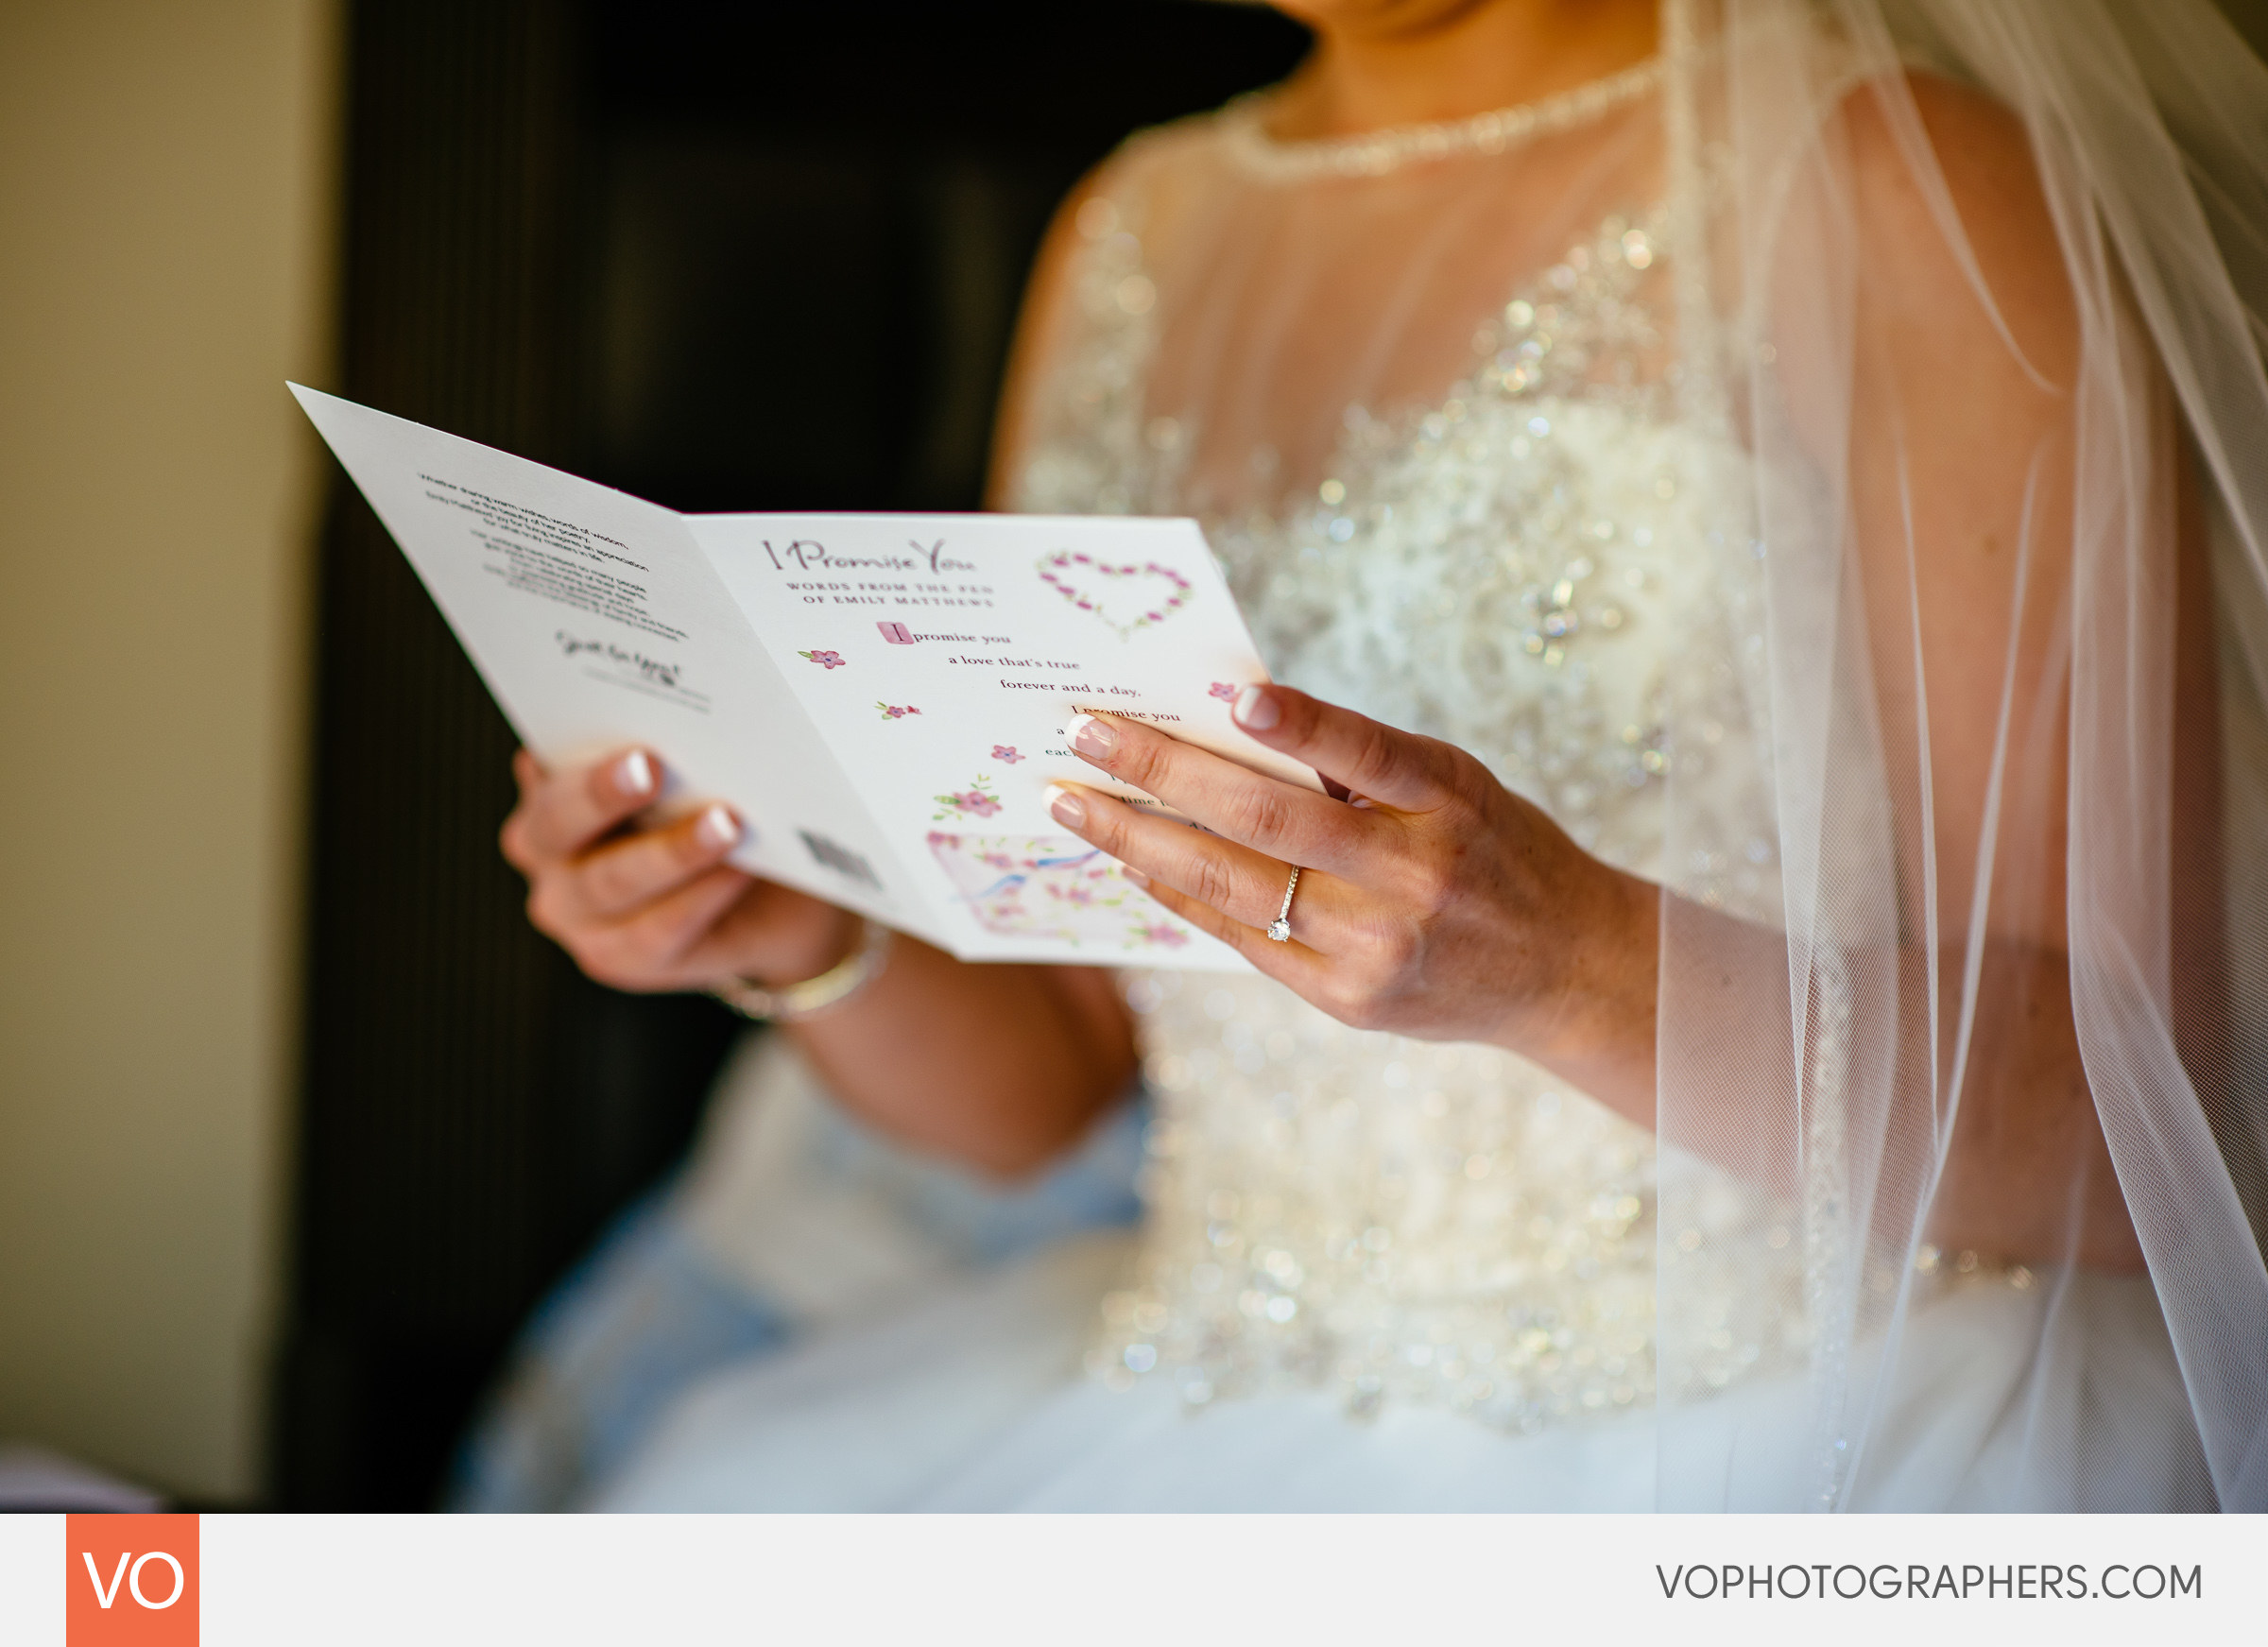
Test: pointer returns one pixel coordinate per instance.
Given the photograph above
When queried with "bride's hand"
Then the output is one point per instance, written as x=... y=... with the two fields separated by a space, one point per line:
x=1435 y=903
x=645 y=905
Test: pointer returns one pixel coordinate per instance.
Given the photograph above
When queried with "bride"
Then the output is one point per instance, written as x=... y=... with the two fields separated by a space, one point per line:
x=1758 y=506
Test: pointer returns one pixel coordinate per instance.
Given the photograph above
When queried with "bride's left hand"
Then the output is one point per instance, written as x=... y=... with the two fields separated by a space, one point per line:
x=1434 y=902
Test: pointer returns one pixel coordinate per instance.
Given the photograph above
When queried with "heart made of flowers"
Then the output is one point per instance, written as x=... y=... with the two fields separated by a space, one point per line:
x=1128 y=595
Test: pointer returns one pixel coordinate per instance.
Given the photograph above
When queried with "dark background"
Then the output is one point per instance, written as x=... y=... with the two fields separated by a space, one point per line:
x=722 y=256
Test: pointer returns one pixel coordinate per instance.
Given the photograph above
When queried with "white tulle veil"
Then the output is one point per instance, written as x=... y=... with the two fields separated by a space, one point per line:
x=2021 y=842
x=1964 y=796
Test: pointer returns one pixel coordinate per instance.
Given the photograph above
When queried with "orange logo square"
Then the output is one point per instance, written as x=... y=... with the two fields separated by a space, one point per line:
x=130 y=1580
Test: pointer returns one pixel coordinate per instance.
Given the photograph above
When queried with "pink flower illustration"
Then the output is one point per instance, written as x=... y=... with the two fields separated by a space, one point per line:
x=891 y=711
x=1006 y=752
x=1222 y=690
x=998 y=860
x=824 y=659
x=974 y=801
x=1172 y=938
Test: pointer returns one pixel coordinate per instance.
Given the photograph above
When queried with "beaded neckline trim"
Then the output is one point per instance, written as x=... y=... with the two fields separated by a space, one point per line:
x=1374 y=154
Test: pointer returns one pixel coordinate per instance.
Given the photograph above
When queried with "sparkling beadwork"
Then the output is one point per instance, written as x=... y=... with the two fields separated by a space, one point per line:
x=1396 y=1220
x=1498 y=130
x=1535 y=568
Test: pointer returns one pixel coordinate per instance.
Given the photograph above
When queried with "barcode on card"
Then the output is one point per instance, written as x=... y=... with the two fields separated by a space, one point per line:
x=841 y=859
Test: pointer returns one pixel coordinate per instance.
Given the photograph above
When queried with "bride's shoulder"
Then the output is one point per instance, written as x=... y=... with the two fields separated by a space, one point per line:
x=1136 y=200
x=1132 y=198
x=1152 y=174
x=1922 y=193
x=1124 y=211
x=1952 y=219
x=1904 y=126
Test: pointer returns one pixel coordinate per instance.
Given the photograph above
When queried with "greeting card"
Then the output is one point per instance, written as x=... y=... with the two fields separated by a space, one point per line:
x=880 y=698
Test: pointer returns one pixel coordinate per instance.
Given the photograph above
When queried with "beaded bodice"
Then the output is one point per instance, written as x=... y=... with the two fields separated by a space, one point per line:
x=1531 y=567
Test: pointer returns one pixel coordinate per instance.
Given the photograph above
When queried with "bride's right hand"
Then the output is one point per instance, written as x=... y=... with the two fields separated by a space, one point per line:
x=652 y=906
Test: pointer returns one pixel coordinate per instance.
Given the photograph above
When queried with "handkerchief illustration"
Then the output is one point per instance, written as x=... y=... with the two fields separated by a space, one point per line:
x=1127 y=596
x=1054 y=887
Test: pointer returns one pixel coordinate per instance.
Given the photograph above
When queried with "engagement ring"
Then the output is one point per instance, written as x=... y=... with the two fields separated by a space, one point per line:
x=1280 y=928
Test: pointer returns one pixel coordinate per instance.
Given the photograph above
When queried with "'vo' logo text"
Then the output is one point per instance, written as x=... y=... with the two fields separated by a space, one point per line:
x=106 y=1596
x=130 y=1581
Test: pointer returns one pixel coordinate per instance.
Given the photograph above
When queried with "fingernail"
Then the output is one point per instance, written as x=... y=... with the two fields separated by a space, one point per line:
x=636 y=773
x=1068 y=809
x=1089 y=737
x=1132 y=876
x=1256 y=710
x=718 y=828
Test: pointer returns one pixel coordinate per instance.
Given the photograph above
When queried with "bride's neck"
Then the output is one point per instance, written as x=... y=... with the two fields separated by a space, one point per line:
x=1407 y=62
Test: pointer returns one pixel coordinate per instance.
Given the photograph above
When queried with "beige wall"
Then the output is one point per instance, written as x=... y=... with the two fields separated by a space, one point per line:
x=166 y=178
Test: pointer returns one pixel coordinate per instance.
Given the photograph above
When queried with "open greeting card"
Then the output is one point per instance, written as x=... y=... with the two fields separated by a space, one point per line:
x=881 y=697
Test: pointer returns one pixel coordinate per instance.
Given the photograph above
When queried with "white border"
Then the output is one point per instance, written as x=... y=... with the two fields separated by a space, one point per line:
x=1059 y=1580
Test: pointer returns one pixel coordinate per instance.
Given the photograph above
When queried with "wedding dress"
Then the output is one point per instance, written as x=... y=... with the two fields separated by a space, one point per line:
x=1490 y=427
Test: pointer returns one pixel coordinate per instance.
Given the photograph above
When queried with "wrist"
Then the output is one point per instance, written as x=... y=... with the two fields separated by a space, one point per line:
x=831 y=941
x=1600 y=1003
x=808 y=997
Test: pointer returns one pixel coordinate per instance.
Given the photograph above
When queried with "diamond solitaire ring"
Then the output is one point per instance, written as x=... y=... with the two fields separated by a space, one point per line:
x=1280 y=928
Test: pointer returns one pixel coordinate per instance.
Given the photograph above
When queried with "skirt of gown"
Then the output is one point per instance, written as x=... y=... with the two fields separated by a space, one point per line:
x=973 y=1399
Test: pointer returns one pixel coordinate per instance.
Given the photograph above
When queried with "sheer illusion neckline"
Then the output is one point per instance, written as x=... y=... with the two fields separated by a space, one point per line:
x=1372 y=154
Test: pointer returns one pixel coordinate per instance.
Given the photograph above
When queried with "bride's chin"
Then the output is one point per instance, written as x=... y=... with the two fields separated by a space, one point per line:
x=1377 y=18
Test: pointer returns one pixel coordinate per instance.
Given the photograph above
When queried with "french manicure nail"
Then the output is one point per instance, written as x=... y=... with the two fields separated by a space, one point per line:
x=1256 y=710
x=635 y=773
x=1066 y=808
x=719 y=827
x=1133 y=877
x=1090 y=737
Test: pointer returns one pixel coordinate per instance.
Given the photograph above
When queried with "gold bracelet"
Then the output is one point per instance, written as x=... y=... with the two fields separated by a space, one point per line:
x=833 y=987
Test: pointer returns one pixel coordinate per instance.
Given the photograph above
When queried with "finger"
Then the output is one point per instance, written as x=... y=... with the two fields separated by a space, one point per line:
x=512 y=838
x=1244 y=885
x=1285 y=822
x=1294 y=962
x=564 y=813
x=623 y=875
x=649 y=950
x=1397 y=768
